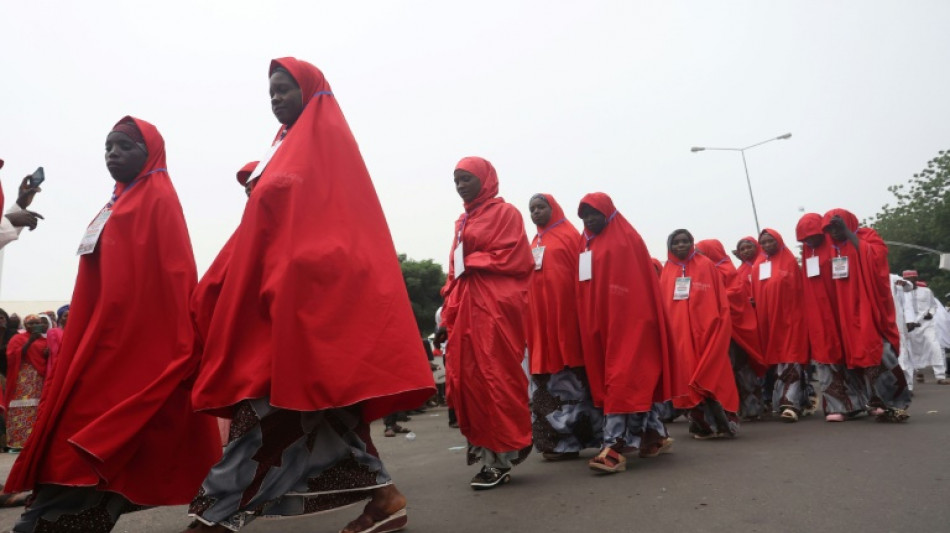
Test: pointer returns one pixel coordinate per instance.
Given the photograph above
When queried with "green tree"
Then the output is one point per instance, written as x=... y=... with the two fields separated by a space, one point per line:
x=920 y=216
x=423 y=279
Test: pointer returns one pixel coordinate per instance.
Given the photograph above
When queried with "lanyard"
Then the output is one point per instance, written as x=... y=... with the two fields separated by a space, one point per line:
x=462 y=227
x=591 y=237
x=116 y=196
x=683 y=264
x=549 y=228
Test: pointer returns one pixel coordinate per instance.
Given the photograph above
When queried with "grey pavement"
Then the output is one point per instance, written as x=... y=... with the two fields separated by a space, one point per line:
x=811 y=476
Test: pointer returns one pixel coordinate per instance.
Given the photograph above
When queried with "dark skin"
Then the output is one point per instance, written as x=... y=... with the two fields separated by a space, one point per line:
x=594 y=220
x=125 y=158
x=36 y=327
x=839 y=231
x=467 y=185
x=286 y=100
x=769 y=244
x=63 y=319
x=25 y=219
x=745 y=251
x=540 y=211
x=911 y=326
x=681 y=246
x=814 y=241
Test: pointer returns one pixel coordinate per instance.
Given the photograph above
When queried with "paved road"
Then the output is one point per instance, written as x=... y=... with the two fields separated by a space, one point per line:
x=806 y=477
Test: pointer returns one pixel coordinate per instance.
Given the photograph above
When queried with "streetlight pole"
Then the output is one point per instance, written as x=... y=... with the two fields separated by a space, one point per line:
x=745 y=165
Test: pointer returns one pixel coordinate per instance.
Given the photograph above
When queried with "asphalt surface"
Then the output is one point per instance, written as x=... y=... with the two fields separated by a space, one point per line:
x=774 y=477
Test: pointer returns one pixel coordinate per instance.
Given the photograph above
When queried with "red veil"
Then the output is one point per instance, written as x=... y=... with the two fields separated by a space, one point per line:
x=778 y=306
x=864 y=304
x=625 y=336
x=484 y=313
x=554 y=340
x=745 y=328
x=117 y=415
x=821 y=318
x=701 y=326
x=312 y=310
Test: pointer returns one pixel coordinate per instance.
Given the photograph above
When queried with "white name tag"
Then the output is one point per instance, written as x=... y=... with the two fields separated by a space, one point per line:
x=89 y=240
x=538 y=254
x=839 y=267
x=811 y=266
x=765 y=270
x=681 y=289
x=584 y=271
x=459 y=260
x=259 y=169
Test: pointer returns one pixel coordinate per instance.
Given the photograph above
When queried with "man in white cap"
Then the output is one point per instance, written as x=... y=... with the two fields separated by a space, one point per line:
x=920 y=308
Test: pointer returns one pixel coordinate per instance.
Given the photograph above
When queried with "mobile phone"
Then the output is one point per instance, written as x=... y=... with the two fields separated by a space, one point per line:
x=37 y=177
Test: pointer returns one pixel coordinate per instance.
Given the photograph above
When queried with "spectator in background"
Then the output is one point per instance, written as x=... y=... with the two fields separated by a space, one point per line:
x=62 y=315
x=27 y=357
x=920 y=308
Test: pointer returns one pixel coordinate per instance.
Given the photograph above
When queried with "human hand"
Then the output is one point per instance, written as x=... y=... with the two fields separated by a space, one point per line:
x=26 y=193
x=24 y=219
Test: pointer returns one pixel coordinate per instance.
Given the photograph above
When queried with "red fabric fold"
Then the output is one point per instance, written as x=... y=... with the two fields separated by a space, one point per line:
x=821 y=320
x=117 y=415
x=484 y=313
x=624 y=332
x=745 y=328
x=312 y=310
x=778 y=306
x=554 y=340
x=701 y=326
x=863 y=300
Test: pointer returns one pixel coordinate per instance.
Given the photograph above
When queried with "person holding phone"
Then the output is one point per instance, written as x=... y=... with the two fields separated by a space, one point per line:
x=18 y=217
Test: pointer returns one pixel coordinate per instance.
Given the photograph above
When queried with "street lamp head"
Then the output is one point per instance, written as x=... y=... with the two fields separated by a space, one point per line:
x=697 y=149
x=783 y=137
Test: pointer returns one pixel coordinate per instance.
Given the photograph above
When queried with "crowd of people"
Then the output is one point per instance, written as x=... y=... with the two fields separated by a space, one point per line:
x=272 y=338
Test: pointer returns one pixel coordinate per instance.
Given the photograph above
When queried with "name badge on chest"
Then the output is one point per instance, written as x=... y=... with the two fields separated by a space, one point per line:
x=681 y=289
x=538 y=254
x=811 y=266
x=91 y=237
x=458 y=260
x=839 y=267
x=765 y=270
x=584 y=267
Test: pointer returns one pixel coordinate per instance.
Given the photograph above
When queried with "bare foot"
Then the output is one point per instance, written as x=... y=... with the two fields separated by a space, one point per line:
x=384 y=513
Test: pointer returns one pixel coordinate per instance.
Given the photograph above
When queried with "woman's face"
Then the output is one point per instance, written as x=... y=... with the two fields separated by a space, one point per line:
x=769 y=244
x=35 y=325
x=540 y=211
x=747 y=251
x=467 y=185
x=681 y=245
x=286 y=100
x=125 y=158
x=63 y=319
x=594 y=220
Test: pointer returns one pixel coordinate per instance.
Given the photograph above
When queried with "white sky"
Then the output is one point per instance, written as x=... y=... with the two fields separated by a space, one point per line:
x=563 y=97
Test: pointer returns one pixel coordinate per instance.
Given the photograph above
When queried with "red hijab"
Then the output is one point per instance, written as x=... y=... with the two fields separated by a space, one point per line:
x=701 y=326
x=745 y=328
x=551 y=322
x=117 y=415
x=864 y=305
x=779 y=307
x=311 y=260
x=485 y=172
x=821 y=319
x=624 y=331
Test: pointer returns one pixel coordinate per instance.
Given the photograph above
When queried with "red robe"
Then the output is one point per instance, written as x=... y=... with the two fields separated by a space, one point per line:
x=312 y=311
x=554 y=337
x=864 y=304
x=744 y=271
x=821 y=320
x=117 y=415
x=484 y=313
x=624 y=332
x=701 y=326
x=778 y=307
x=745 y=328
x=36 y=355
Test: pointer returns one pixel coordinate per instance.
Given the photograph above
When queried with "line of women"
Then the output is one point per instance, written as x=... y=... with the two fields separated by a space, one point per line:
x=619 y=343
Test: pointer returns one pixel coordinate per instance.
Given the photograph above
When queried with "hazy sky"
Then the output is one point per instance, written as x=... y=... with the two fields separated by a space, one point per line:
x=563 y=97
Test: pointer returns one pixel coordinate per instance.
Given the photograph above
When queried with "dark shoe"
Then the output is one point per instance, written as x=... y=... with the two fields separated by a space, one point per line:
x=919 y=378
x=664 y=446
x=562 y=456
x=403 y=417
x=454 y=425
x=490 y=477
x=944 y=381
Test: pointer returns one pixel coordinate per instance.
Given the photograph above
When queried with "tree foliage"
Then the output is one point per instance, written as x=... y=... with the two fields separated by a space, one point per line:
x=920 y=216
x=423 y=279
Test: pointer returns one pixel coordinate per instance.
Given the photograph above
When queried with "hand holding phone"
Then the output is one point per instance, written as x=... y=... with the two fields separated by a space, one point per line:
x=37 y=177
